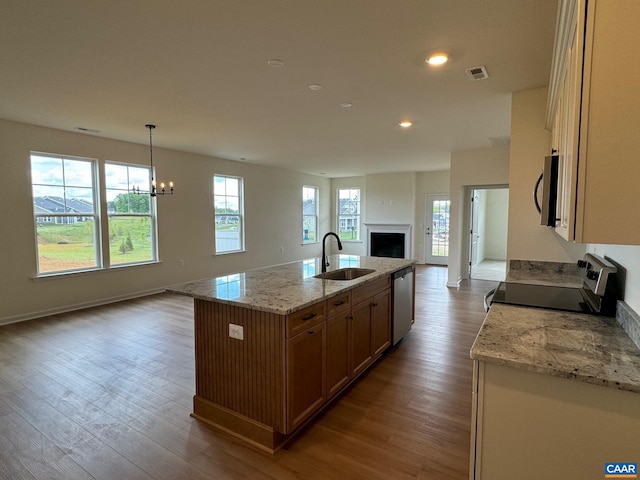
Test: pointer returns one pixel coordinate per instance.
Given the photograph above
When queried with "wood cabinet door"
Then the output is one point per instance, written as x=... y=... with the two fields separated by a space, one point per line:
x=381 y=324
x=338 y=366
x=360 y=336
x=306 y=374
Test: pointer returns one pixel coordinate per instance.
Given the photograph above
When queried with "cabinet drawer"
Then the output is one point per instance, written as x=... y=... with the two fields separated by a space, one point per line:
x=305 y=318
x=338 y=304
x=359 y=294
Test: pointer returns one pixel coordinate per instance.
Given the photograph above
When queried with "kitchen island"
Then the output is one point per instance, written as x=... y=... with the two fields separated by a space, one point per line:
x=275 y=345
x=555 y=394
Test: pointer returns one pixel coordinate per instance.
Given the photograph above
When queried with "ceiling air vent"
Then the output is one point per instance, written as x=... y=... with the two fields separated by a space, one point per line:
x=477 y=73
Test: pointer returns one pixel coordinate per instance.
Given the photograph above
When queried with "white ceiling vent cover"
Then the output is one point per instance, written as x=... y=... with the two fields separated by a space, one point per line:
x=477 y=73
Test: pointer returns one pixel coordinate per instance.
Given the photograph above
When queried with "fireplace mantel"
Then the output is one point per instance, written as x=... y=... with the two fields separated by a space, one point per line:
x=404 y=228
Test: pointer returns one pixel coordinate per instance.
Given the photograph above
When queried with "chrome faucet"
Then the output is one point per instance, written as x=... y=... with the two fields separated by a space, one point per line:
x=325 y=259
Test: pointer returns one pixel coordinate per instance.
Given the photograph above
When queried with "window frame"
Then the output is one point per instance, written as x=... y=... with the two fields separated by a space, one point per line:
x=240 y=214
x=152 y=214
x=49 y=217
x=358 y=215
x=315 y=216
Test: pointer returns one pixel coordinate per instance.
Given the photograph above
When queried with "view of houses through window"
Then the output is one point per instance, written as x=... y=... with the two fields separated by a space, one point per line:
x=67 y=214
x=309 y=214
x=348 y=208
x=228 y=213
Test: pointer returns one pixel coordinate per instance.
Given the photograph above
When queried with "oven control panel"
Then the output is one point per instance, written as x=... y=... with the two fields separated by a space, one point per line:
x=597 y=273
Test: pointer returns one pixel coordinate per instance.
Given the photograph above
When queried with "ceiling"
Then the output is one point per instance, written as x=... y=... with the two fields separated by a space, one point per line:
x=198 y=70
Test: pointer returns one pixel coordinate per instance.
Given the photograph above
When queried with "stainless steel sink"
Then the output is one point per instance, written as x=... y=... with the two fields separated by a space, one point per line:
x=345 y=273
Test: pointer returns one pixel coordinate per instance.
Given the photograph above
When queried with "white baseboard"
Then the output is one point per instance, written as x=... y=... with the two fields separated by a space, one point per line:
x=77 y=306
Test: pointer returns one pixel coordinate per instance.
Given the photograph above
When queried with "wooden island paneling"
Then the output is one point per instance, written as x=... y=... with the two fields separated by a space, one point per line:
x=262 y=375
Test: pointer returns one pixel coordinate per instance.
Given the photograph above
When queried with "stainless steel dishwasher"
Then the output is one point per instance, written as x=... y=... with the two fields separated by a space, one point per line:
x=402 y=303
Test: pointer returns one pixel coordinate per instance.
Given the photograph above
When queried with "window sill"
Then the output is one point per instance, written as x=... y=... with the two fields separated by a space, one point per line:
x=309 y=243
x=231 y=252
x=93 y=271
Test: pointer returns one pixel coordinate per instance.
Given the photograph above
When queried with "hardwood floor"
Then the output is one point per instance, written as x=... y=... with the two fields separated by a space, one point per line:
x=106 y=393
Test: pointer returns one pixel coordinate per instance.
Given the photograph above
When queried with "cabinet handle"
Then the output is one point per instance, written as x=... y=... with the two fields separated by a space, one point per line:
x=374 y=304
x=309 y=317
x=311 y=332
x=337 y=304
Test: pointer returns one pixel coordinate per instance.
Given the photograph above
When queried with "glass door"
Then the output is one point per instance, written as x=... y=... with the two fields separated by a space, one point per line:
x=437 y=230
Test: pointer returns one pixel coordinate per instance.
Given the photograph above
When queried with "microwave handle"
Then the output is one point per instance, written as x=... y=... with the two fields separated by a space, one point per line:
x=554 y=151
x=535 y=193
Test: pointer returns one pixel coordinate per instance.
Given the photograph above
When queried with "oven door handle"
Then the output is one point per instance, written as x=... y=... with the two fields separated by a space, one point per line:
x=487 y=302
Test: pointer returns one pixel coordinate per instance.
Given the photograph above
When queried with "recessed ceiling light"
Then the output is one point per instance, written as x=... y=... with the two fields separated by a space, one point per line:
x=437 y=58
x=405 y=124
x=315 y=87
x=346 y=104
x=275 y=63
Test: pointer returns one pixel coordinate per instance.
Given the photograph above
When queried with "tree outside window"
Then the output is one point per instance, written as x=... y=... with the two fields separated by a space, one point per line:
x=132 y=235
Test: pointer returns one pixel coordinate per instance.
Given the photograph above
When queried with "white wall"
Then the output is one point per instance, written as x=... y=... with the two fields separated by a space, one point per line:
x=495 y=225
x=391 y=199
x=528 y=240
x=273 y=213
x=470 y=168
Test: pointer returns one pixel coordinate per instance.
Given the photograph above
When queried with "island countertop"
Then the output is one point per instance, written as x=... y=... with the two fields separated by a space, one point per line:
x=286 y=288
x=584 y=347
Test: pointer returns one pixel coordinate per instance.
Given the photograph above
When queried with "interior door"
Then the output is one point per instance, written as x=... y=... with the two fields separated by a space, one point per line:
x=474 y=232
x=436 y=245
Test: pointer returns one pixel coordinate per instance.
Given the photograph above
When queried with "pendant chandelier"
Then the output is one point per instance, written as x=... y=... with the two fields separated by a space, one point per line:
x=153 y=191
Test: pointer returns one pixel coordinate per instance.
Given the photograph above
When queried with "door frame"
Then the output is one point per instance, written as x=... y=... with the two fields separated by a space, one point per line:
x=426 y=255
x=465 y=268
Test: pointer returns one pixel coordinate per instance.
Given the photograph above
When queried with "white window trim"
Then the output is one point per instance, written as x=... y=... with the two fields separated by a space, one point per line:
x=152 y=215
x=96 y=215
x=316 y=214
x=359 y=215
x=240 y=214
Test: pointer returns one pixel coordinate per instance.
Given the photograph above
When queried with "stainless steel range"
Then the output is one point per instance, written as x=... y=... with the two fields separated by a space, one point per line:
x=598 y=294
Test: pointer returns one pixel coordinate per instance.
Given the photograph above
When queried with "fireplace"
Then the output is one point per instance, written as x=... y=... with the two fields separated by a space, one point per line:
x=388 y=240
x=385 y=244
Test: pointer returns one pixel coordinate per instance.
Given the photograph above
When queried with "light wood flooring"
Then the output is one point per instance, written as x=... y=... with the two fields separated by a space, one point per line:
x=106 y=393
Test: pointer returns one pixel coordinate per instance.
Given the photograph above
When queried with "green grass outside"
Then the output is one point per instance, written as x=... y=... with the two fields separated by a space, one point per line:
x=68 y=247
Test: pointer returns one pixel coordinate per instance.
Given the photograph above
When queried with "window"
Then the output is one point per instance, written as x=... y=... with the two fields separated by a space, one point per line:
x=65 y=214
x=132 y=231
x=229 y=222
x=349 y=214
x=309 y=214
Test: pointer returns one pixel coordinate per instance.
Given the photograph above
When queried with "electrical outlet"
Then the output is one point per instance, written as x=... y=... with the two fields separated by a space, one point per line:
x=181 y=262
x=236 y=331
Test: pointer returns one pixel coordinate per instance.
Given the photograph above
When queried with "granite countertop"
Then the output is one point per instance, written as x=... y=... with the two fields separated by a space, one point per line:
x=289 y=287
x=584 y=347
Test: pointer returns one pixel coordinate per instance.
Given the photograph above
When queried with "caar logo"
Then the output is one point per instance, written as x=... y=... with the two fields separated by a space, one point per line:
x=620 y=470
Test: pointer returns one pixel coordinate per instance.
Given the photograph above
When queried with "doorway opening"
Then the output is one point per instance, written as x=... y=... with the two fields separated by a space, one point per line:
x=488 y=233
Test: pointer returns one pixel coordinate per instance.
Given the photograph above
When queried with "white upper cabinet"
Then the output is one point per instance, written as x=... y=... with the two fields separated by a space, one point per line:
x=594 y=116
